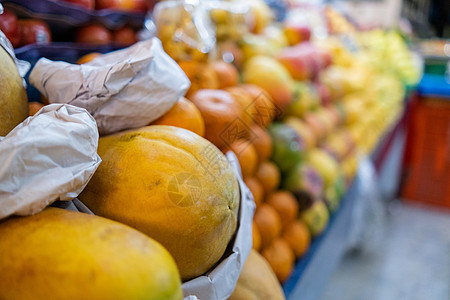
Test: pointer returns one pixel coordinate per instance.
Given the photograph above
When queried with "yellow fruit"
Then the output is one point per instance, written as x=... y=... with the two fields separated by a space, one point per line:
x=257 y=281
x=325 y=164
x=60 y=254
x=13 y=98
x=174 y=186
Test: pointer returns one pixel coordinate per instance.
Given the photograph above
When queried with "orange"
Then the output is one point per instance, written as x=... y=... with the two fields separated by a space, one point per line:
x=255 y=188
x=262 y=141
x=286 y=206
x=256 y=237
x=88 y=57
x=265 y=109
x=269 y=176
x=269 y=224
x=227 y=74
x=280 y=257
x=247 y=156
x=201 y=76
x=222 y=115
x=172 y=185
x=298 y=237
x=90 y=258
x=245 y=100
x=34 y=107
x=183 y=114
x=257 y=281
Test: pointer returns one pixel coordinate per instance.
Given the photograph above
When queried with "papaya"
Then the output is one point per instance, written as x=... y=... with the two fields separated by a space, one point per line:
x=13 y=97
x=172 y=185
x=257 y=281
x=61 y=254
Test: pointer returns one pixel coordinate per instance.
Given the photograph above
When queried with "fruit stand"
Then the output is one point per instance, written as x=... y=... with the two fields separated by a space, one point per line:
x=224 y=136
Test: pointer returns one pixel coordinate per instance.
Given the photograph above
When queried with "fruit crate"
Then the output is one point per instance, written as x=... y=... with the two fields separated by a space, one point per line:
x=427 y=161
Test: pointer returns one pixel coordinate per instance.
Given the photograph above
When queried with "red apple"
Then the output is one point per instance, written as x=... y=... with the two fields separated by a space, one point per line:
x=124 y=5
x=297 y=33
x=93 y=34
x=34 y=31
x=125 y=35
x=88 y=4
x=10 y=27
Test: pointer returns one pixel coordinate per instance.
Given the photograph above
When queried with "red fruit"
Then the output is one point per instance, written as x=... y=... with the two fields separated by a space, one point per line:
x=93 y=34
x=10 y=27
x=88 y=4
x=34 y=31
x=125 y=35
x=123 y=5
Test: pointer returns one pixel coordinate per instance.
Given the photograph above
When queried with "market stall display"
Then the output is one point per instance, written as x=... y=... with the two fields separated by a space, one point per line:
x=237 y=116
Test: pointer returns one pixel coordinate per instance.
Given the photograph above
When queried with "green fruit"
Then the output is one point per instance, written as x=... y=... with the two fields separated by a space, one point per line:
x=288 y=146
x=316 y=217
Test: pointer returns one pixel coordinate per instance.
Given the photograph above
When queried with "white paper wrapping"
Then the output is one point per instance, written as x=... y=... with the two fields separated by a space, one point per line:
x=219 y=283
x=47 y=157
x=124 y=89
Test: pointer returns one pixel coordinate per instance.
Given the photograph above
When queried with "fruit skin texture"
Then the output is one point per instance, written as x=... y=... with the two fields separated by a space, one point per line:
x=174 y=186
x=13 y=97
x=257 y=281
x=34 y=31
x=10 y=27
x=281 y=258
x=71 y=255
x=269 y=224
x=184 y=114
x=93 y=34
x=272 y=76
x=223 y=117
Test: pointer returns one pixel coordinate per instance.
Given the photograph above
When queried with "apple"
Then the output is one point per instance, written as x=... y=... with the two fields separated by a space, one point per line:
x=125 y=35
x=88 y=4
x=124 y=5
x=10 y=27
x=297 y=33
x=93 y=34
x=34 y=31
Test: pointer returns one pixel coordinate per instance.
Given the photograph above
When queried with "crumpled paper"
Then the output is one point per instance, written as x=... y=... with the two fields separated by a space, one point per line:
x=47 y=157
x=124 y=89
x=220 y=282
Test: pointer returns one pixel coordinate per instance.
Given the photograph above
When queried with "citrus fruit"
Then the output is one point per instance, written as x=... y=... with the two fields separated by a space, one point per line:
x=269 y=224
x=34 y=107
x=184 y=114
x=247 y=156
x=286 y=206
x=255 y=188
x=269 y=176
x=227 y=74
x=298 y=237
x=281 y=258
x=262 y=142
x=256 y=237
x=222 y=115
x=201 y=76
